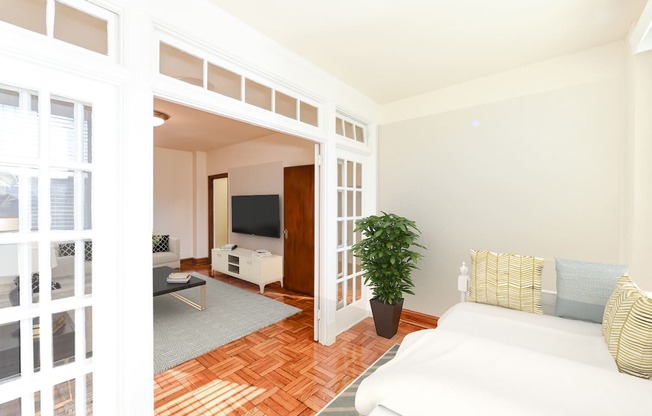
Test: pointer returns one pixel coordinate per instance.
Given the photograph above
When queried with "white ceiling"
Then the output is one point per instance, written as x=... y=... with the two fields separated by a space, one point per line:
x=393 y=49
x=190 y=129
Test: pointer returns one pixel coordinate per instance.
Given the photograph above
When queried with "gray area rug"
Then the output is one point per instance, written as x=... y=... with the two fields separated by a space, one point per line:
x=344 y=403
x=182 y=332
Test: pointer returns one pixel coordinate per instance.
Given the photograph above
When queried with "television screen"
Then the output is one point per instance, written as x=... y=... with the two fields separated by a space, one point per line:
x=256 y=215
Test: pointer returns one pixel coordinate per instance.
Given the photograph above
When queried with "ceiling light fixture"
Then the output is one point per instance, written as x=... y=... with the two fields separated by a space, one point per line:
x=159 y=118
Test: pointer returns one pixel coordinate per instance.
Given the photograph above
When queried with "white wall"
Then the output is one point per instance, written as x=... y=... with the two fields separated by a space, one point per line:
x=256 y=167
x=534 y=167
x=200 y=199
x=291 y=150
x=173 y=197
x=181 y=186
x=639 y=169
x=265 y=179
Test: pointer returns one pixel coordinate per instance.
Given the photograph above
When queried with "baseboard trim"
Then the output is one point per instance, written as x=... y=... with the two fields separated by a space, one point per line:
x=202 y=261
x=194 y=262
x=419 y=319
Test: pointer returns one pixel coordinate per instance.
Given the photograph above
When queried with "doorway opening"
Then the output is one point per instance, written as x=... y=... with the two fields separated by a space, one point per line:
x=220 y=157
x=218 y=211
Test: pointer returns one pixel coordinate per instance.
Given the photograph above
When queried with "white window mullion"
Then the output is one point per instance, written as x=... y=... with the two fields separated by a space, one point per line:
x=44 y=196
x=49 y=18
x=27 y=401
x=45 y=295
x=25 y=267
x=204 y=70
x=80 y=394
x=24 y=214
x=78 y=206
x=80 y=359
x=79 y=269
x=44 y=171
x=79 y=131
x=112 y=37
x=26 y=339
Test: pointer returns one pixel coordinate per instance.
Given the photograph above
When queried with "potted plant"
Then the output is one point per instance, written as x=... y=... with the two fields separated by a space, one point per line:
x=387 y=259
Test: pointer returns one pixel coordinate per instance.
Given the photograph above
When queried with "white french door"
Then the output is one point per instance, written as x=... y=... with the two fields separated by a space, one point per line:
x=58 y=237
x=352 y=204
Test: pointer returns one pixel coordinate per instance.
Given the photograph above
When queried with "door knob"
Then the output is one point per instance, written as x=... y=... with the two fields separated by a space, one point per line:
x=285 y=233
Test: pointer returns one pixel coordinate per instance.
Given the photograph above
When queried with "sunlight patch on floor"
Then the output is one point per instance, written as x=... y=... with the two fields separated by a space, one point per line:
x=218 y=396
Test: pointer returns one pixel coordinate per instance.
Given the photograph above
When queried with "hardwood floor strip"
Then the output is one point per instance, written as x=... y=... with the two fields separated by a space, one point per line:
x=278 y=370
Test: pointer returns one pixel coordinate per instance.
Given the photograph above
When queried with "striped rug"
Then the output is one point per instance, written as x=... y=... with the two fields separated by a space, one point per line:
x=344 y=403
x=182 y=333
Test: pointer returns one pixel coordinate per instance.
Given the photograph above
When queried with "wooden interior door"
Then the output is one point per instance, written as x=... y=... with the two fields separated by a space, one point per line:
x=299 y=233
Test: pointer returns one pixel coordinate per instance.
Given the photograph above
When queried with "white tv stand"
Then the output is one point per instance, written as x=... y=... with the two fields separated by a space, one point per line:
x=244 y=264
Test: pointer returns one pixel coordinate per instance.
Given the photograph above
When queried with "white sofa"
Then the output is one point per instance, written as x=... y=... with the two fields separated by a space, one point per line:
x=65 y=265
x=169 y=258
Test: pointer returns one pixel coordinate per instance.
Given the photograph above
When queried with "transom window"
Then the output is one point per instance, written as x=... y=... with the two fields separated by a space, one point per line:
x=183 y=66
x=350 y=129
x=75 y=22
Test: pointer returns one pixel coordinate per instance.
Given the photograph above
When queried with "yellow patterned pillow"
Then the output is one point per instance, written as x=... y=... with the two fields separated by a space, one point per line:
x=634 y=353
x=612 y=304
x=509 y=280
x=614 y=321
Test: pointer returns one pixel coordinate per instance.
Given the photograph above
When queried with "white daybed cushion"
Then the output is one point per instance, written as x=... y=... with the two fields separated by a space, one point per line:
x=576 y=340
x=448 y=372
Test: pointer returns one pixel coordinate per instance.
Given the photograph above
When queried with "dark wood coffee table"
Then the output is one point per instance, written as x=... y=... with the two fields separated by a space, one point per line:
x=63 y=347
x=162 y=287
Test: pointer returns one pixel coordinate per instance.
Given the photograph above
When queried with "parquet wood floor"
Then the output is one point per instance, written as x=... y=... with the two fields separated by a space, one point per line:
x=276 y=371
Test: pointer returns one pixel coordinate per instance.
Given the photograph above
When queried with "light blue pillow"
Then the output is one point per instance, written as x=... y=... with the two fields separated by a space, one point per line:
x=583 y=288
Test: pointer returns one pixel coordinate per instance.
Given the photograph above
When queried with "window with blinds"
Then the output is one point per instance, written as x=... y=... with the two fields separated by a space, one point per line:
x=70 y=140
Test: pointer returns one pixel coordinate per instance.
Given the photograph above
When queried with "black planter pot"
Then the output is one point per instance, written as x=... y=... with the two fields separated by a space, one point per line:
x=386 y=317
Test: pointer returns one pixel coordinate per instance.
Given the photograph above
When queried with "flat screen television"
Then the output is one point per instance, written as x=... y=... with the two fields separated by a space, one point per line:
x=256 y=215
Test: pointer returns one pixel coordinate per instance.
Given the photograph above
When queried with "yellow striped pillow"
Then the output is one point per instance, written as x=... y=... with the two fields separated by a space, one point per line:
x=634 y=353
x=509 y=280
x=611 y=306
x=615 y=320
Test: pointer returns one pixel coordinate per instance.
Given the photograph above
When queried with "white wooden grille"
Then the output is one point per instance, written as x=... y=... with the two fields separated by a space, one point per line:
x=350 y=129
x=349 y=209
x=45 y=299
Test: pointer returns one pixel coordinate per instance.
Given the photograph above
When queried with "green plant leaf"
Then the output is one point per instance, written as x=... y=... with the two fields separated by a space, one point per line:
x=386 y=254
